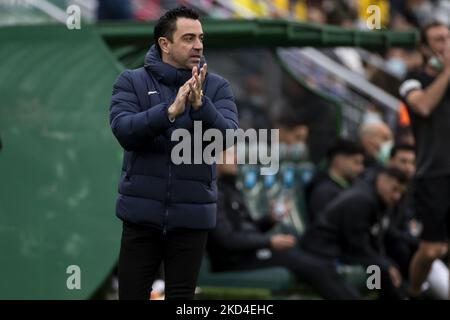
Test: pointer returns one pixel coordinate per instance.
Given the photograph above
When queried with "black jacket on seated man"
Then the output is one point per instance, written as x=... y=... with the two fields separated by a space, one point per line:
x=351 y=228
x=401 y=240
x=345 y=163
x=236 y=233
x=322 y=191
x=400 y=245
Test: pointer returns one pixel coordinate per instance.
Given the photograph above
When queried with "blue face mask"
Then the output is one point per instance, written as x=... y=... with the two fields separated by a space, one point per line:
x=397 y=67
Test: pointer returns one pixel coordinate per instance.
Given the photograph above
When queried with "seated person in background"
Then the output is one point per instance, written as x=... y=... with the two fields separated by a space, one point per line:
x=237 y=237
x=401 y=238
x=376 y=139
x=345 y=163
x=351 y=228
x=240 y=243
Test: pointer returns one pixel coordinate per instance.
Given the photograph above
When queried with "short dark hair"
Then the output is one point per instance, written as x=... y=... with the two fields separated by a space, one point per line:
x=401 y=147
x=396 y=174
x=428 y=26
x=166 y=25
x=343 y=147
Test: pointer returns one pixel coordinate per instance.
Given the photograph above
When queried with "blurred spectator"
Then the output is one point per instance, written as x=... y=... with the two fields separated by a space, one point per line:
x=345 y=162
x=401 y=239
x=398 y=62
x=253 y=102
x=417 y=13
x=316 y=14
x=352 y=227
x=293 y=134
x=422 y=12
x=403 y=157
x=376 y=139
x=150 y=9
x=342 y=13
x=114 y=10
x=401 y=61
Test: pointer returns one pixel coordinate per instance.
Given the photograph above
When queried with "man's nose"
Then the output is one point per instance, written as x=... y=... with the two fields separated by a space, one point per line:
x=198 y=45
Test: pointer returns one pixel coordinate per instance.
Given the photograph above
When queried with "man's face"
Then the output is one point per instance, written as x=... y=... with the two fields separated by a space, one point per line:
x=350 y=166
x=405 y=161
x=186 y=48
x=374 y=138
x=382 y=136
x=438 y=39
x=389 y=189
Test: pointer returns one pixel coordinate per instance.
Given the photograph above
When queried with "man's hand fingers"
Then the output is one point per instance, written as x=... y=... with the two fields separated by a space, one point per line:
x=203 y=72
x=194 y=71
x=198 y=84
x=186 y=85
x=193 y=90
x=191 y=86
x=184 y=89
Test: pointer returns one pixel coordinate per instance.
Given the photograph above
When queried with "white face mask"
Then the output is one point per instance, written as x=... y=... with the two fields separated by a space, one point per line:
x=397 y=67
x=384 y=152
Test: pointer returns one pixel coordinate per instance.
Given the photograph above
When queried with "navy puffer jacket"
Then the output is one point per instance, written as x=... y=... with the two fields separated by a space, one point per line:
x=152 y=189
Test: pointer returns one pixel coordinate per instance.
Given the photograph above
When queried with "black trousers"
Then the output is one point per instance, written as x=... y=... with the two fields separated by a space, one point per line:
x=142 y=251
x=318 y=272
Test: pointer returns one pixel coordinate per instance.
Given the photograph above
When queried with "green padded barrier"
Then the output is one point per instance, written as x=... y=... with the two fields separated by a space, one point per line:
x=59 y=164
x=275 y=279
x=265 y=33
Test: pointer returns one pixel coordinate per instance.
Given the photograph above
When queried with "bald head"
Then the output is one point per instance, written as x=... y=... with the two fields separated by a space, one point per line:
x=373 y=135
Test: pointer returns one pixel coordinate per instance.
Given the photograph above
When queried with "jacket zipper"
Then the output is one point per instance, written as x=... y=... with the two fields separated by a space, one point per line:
x=166 y=215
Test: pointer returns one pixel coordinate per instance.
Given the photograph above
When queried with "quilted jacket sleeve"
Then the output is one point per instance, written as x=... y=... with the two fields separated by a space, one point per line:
x=133 y=127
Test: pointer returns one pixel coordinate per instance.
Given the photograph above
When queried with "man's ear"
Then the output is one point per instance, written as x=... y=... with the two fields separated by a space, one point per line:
x=163 y=44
